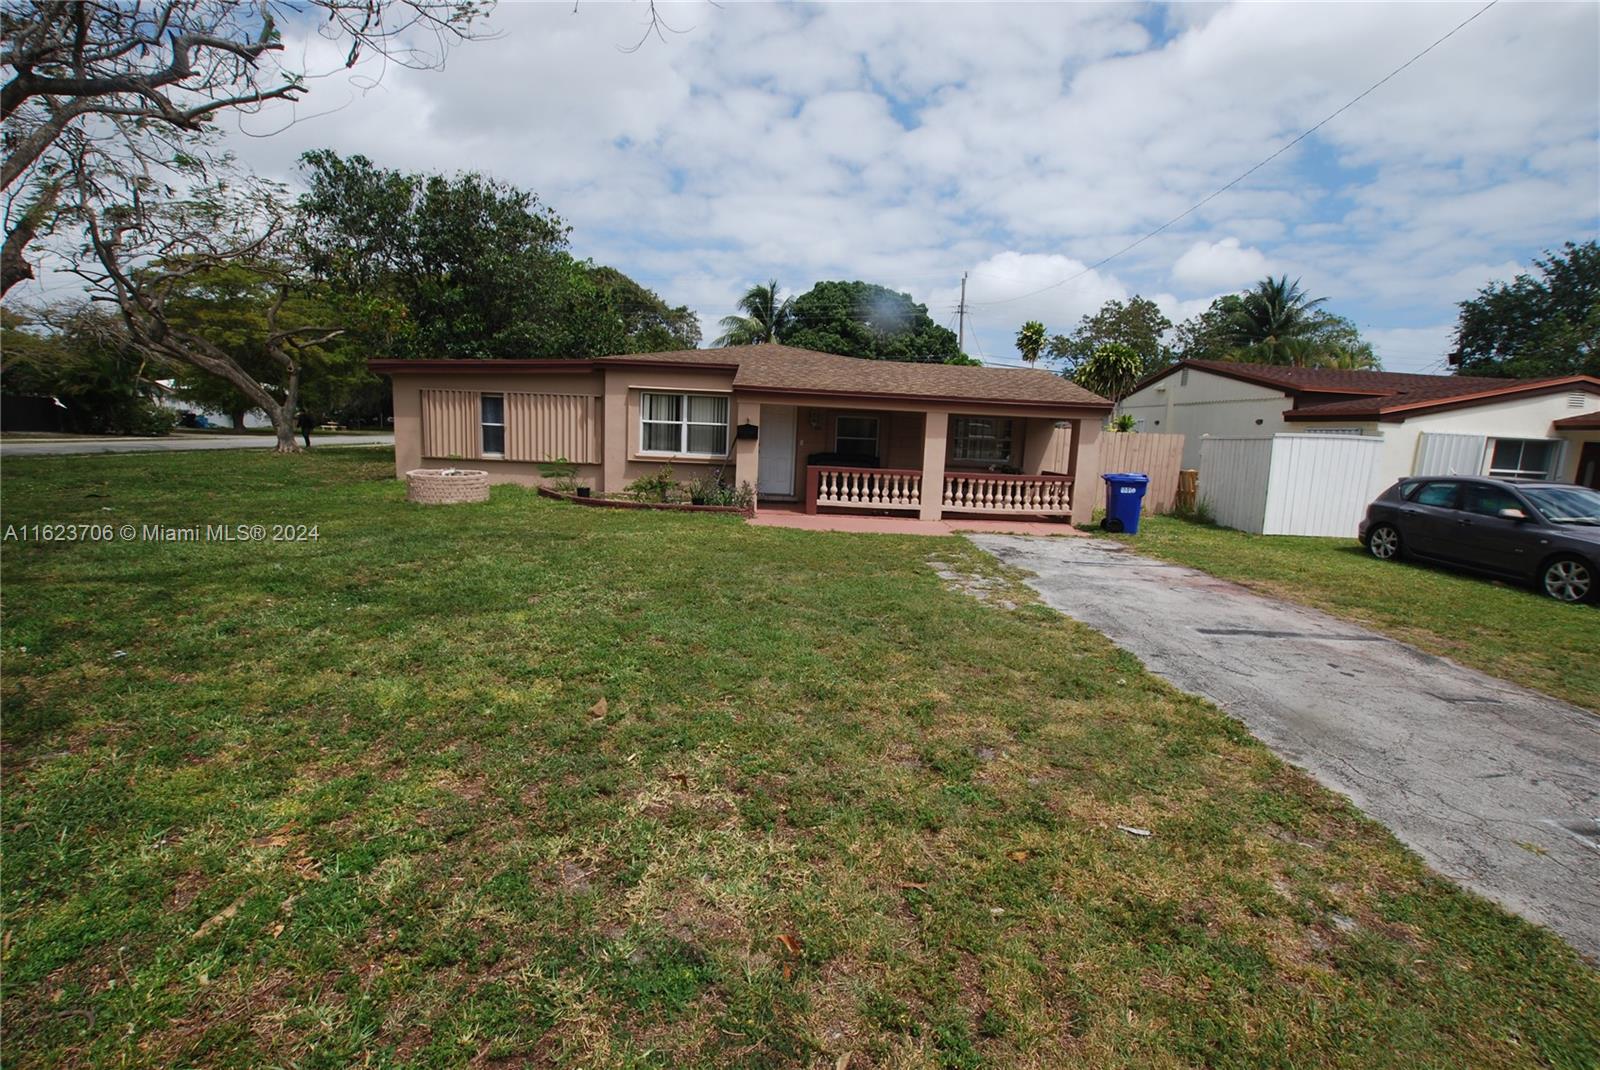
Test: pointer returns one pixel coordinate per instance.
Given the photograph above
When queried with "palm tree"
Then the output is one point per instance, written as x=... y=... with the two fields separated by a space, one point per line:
x=1030 y=341
x=763 y=315
x=1271 y=323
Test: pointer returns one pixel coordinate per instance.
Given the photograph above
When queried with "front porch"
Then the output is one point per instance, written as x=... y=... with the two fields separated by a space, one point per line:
x=794 y=515
x=1016 y=463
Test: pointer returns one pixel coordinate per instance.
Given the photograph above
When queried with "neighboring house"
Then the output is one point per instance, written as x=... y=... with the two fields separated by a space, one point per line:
x=1429 y=424
x=167 y=397
x=832 y=432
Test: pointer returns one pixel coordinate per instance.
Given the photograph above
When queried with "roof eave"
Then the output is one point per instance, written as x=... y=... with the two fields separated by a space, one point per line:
x=863 y=395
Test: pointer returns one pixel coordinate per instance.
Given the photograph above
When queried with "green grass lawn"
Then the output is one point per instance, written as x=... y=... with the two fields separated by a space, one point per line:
x=1506 y=630
x=526 y=784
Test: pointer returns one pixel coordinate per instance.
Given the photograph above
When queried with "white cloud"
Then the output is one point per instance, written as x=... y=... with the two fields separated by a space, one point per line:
x=1221 y=264
x=902 y=144
x=1413 y=349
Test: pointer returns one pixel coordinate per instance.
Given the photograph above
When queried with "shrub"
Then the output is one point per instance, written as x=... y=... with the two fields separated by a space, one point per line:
x=562 y=474
x=653 y=488
x=144 y=418
x=713 y=489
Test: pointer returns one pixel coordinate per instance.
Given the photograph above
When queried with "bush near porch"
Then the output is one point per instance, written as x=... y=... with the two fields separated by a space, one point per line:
x=525 y=784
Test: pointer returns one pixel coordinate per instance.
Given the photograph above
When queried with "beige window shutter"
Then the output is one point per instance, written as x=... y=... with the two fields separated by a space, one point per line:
x=450 y=424
x=543 y=427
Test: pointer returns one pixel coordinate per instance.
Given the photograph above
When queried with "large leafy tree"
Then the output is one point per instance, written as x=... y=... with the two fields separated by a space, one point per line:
x=649 y=324
x=861 y=319
x=1538 y=325
x=474 y=268
x=123 y=87
x=762 y=312
x=1137 y=323
x=1205 y=335
x=229 y=303
x=145 y=261
x=77 y=354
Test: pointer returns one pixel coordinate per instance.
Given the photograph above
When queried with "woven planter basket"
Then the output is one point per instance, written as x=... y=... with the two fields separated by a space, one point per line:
x=446 y=486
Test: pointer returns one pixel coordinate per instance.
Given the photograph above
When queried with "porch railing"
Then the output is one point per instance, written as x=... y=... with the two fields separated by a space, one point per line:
x=833 y=486
x=990 y=492
x=863 y=488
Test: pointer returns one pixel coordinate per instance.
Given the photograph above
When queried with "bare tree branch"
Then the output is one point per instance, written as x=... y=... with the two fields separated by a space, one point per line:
x=144 y=79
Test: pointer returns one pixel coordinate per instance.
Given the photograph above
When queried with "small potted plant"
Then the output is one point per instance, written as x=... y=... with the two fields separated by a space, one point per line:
x=702 y=489
x=563 y=477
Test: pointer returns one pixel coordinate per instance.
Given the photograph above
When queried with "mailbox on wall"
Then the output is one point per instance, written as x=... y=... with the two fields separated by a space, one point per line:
x=747 y=431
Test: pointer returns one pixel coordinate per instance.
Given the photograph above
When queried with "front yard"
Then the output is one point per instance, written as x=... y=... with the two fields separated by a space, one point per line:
x=525 y=784
x=1505 y=630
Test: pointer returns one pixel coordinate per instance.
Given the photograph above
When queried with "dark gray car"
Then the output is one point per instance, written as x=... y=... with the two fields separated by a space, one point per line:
x=1546 y=534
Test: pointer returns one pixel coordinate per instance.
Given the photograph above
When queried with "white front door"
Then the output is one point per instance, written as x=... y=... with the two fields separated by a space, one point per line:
x=775 y=472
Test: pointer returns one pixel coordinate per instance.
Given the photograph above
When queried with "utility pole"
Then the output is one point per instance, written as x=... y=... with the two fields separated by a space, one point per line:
x=961 y=316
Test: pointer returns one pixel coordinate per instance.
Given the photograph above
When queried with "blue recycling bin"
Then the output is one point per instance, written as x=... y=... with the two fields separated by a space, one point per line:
x=1124 y=500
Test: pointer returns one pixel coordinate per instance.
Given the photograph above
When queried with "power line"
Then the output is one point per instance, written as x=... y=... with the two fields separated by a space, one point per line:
x=1219 y=192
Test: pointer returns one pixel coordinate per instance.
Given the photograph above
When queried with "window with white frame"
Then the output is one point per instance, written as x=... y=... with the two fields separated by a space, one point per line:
x=694 y=424
x=985 y=439
x=1522 y=458
x=856 y=436
x=492 y=415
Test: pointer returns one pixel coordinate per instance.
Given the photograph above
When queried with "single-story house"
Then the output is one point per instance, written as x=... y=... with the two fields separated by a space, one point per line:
x=1430 y=424
x=828 y=431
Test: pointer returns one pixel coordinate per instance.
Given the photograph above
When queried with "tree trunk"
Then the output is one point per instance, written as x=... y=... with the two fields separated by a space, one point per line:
x=238 y=420
x=283 y=425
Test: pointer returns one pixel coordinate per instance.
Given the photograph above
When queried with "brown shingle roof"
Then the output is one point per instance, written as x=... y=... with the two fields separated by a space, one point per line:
x=1589 y=421
x=1380 y=395
x=1337 y=380
x=787 y=370
x=1429 y=398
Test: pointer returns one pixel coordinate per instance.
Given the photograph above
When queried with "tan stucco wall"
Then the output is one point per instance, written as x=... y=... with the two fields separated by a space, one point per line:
x=618 y=391
x=1039 y=445
x=408 y=415
x=625 y=465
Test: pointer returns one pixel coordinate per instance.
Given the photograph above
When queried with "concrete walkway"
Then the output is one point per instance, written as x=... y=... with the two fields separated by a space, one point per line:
x=794 y=516
x=175 y=442
x=1495 y=786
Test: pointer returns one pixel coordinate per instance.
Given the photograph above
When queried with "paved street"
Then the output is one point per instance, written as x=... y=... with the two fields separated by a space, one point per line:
x=48 y=447
x=1495 y=786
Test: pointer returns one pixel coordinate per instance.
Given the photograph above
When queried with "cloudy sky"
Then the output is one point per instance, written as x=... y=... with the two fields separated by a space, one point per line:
x=905 y=144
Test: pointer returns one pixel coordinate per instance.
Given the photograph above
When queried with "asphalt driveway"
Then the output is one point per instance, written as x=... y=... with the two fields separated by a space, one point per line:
x=69 y=444
x=1497 y=787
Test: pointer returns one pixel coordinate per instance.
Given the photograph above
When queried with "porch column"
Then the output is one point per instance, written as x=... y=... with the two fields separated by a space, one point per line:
x=1083 y=465
x=1038 y=444
x=614 y=442
x=935 y=432
x=746 y=451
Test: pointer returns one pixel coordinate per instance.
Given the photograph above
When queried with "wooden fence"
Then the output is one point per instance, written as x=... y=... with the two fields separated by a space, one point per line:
x=1157 y=456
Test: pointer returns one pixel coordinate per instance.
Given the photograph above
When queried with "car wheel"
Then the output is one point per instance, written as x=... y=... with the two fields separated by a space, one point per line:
x=1383 y=542
x=1568 y=579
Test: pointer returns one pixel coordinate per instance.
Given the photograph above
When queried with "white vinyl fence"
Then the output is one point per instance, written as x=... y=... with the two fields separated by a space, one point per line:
x=1295 y=484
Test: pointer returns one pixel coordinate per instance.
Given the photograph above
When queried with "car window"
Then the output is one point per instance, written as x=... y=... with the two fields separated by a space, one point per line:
x=1567 y=505
x=1486 y=499
x=1442 y=495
